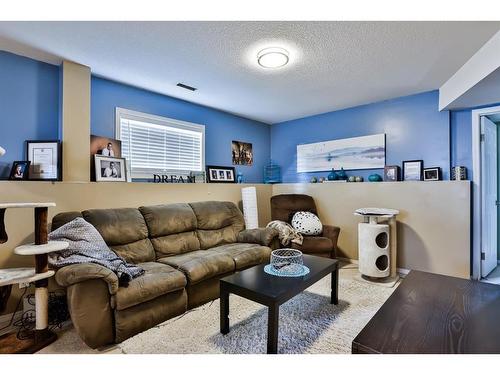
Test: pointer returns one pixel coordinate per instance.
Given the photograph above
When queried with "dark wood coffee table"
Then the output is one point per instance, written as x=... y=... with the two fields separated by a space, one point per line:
x=272 y=291
x=435 y=314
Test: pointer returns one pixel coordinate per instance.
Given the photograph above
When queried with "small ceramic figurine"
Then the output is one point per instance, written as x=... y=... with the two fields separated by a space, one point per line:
x=374 y=178
x=321 y=179
x=359 y=179
x=332 y=176
x=351 y=179
x=342 y=175
x=314 y=180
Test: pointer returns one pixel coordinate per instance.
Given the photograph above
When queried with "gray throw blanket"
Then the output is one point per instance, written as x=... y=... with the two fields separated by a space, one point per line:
x=287 y=233
x=86 y=245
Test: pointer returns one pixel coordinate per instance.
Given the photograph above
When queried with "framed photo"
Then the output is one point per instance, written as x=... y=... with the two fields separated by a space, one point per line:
x=412 y=170
x=242 y=153
x=20 y=170
x=105 y=147
x=392 y=173
x=432 y=174
x=220 y=174
x=110 y=169
x=45 y=159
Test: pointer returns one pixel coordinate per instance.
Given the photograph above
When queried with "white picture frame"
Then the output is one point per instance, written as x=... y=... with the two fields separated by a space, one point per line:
x=109 y=169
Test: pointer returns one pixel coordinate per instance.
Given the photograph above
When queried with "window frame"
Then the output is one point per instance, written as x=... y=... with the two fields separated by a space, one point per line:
x=159 y=121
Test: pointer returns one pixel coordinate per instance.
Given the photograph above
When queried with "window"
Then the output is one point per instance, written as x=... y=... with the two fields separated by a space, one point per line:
x=159 y=145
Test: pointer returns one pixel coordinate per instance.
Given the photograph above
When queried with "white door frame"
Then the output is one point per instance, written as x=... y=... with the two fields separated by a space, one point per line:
x=476 y=187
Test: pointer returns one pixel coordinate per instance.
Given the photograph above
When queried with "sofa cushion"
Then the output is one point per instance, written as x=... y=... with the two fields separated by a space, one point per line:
x=200 y=265
x=158 y=279
x=171 y=228
x=245 y=254
x=168 y=219
x=312 y=245
x=125 y=231
x=218 y=222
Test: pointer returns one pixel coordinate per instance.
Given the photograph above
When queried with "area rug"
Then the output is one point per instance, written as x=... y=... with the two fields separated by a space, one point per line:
x=308 y=323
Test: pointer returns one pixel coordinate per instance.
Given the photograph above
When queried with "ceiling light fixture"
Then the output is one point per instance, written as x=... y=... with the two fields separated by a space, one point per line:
x=273 y=57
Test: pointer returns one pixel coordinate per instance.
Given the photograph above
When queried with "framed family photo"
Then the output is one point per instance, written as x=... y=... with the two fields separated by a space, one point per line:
x=110 y=169
x=20 y=170
x=45 y=159
x=220 y=174
x=432 y=174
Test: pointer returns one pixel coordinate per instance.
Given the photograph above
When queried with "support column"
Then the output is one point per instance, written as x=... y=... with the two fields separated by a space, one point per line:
x=75 y=127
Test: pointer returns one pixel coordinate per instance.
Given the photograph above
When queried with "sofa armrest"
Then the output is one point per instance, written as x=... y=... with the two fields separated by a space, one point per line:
x=332 y=233
x=262 y=236
x=77 y=273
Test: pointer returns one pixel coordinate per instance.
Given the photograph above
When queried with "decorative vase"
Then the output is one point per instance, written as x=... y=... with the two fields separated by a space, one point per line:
x=374 y=178
x=342 y=175
x=314 y=180
x=239 y=178
x=332 y=176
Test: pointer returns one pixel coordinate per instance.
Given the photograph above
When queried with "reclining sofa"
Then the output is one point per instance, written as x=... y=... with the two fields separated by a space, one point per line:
x=184 y=249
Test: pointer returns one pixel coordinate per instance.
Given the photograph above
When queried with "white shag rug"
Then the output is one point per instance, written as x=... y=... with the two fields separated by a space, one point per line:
x=308 y=323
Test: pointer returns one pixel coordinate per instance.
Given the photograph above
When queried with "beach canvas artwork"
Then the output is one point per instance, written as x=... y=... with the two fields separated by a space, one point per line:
x=366 y=152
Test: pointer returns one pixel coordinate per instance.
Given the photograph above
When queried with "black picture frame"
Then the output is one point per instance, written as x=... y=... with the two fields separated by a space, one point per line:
x=392 y=173
x=433 y=174
x=58 y=146
x=26 y=170
x=414 y=177
x=220 y=174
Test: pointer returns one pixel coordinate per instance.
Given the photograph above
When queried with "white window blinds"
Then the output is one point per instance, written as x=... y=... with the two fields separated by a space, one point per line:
x=160 y=145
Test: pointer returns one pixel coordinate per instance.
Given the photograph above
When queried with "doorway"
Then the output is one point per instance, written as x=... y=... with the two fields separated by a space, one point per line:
x=486 y=191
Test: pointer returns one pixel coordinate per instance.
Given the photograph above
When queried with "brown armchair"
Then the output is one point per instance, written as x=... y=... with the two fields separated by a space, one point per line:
x=284 y=206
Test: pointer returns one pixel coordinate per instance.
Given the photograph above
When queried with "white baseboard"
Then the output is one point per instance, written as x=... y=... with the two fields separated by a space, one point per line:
x=5 y=319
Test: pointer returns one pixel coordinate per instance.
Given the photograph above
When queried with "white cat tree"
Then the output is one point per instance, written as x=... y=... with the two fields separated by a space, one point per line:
x=39 y=275
x=377 y=246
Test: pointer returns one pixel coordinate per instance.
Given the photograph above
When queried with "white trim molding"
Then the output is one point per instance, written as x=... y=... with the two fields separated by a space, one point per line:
x=476 y=186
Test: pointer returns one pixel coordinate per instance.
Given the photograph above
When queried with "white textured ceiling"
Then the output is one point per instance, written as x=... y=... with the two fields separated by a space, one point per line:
x=333 y=65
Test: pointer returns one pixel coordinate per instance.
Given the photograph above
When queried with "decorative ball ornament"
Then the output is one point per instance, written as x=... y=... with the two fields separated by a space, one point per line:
x=307 y=223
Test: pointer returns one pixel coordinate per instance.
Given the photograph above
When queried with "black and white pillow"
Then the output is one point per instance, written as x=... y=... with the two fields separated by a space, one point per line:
x=307 y=223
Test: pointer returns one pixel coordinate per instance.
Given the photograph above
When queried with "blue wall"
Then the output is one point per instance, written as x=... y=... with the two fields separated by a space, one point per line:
x=220 y=127
x=461 y=139
x=414 y=129
x=29 y=100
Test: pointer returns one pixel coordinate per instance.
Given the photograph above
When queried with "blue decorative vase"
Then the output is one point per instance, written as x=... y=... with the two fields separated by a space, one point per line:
x=239 y=178
x=342 y=175
x=332 y=176
x=374 y=178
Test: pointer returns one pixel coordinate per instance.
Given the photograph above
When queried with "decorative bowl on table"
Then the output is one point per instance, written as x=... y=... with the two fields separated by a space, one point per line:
x=286 y=262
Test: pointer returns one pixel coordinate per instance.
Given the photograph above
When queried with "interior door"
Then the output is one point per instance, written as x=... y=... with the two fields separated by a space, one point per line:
x=489 y=181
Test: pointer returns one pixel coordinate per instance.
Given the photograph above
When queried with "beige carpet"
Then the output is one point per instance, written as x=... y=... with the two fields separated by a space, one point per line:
x=308 y=324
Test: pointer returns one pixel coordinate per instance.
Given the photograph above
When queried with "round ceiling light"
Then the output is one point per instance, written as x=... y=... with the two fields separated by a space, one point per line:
x=273 y=57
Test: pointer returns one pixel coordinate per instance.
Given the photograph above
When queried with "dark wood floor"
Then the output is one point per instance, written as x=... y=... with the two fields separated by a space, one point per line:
x=431 y=313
